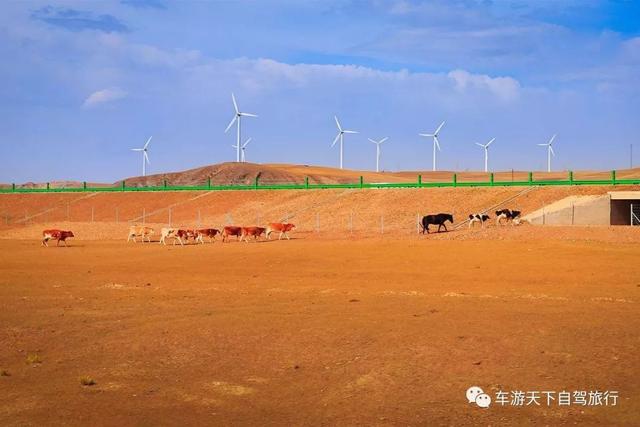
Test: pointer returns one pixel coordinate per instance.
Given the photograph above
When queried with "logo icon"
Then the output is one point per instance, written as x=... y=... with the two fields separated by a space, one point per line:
x=479 y=397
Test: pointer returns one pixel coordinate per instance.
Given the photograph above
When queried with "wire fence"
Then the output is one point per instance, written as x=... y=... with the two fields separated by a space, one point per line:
x=502 y=179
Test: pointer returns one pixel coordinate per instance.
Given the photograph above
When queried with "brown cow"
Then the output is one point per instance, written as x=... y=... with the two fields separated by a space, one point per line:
x=59 y=235
x=251 y=231
x=173 y=233
x=206 y=232
x=231 y=230
x=282 y=228
x=140 y=231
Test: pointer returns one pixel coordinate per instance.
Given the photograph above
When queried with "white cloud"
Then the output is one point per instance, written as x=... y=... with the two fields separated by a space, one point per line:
x=102 y=96
x=506 y=88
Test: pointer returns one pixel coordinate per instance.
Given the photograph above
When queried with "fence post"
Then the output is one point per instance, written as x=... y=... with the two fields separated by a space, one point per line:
x=455 y=179
x=84 y=185
x=573 y=213
x=361 y=181
x=530 y=178
x=306 y=182
x=209 y=183
x=164 y=184
x=491 y=179
x=48 y=186
x=13 y=187
x=570 y=177
x=419 y=181
x=123 y=184
x=256 y=183
x=613 y=177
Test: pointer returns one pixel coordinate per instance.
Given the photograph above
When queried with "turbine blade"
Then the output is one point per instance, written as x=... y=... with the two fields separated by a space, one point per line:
x=375 y=142
x=336 y=140
x=231 y=123
x=137 y=149
x=428 y=135
x=246 y=143
x=551 y=149
x=338 y=123
x=552 y=138
x=248 y=114
x=349 y=131
x=146 y=157
x=543 y=145
x=477 y=143
x=235 y=104
x=439 y=127
x=435 y=139
x=383 y=139
x=489 y=143
x=148 y=141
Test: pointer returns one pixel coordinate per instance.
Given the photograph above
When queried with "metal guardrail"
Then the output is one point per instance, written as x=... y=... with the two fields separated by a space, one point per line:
x=308 y=186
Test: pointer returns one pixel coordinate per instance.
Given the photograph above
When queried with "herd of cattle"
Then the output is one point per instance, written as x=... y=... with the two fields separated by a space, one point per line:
x=182 y=236
x=502 y=216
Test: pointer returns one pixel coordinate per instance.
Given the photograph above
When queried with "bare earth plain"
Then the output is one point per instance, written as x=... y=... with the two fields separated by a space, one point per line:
x=355 y=330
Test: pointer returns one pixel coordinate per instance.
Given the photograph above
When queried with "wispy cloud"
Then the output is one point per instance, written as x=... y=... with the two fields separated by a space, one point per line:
x=145 y=4
x=78 y=20
x=103 y=96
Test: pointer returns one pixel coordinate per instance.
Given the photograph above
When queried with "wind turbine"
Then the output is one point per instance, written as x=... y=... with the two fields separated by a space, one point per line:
x=236 y=119
x=340 y=137
x=436 y=143
x=549 y=152
x=145 y=156
x=486 y=153
x=378 y=151
x=242 y=158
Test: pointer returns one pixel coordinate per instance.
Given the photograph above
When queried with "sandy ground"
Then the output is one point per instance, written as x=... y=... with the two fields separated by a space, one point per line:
x=357 y=331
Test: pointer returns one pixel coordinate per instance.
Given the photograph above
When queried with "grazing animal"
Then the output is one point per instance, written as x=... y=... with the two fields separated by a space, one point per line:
x=251 y=231
x=283 y=228
x=438 y=219
x=231 y=230
x=206 y=232
x=172 y=233
x=508 y=215
x=140 y=231
x=59 y=235
x=481 y=218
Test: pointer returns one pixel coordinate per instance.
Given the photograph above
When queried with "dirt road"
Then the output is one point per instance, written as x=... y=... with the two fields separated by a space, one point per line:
x=316 y=332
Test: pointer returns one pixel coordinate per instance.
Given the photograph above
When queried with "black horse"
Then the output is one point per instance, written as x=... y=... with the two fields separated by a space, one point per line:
x=438 y=220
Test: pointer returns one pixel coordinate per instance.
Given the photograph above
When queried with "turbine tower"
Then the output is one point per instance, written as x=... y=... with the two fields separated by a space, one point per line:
x=145 y=156
x=242 y=157
x=549 y=152
x=486 y=153
x=236 y=119
x=340 y=137
x=436 y=143
x=378 y=151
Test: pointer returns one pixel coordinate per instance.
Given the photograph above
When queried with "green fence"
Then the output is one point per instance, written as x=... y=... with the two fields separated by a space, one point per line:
x=257 y=185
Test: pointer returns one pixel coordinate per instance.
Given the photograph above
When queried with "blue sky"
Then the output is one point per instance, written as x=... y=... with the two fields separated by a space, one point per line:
x=82 y=82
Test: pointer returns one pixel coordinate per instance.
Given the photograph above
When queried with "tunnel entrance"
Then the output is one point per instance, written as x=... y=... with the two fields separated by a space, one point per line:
x=625 y=208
